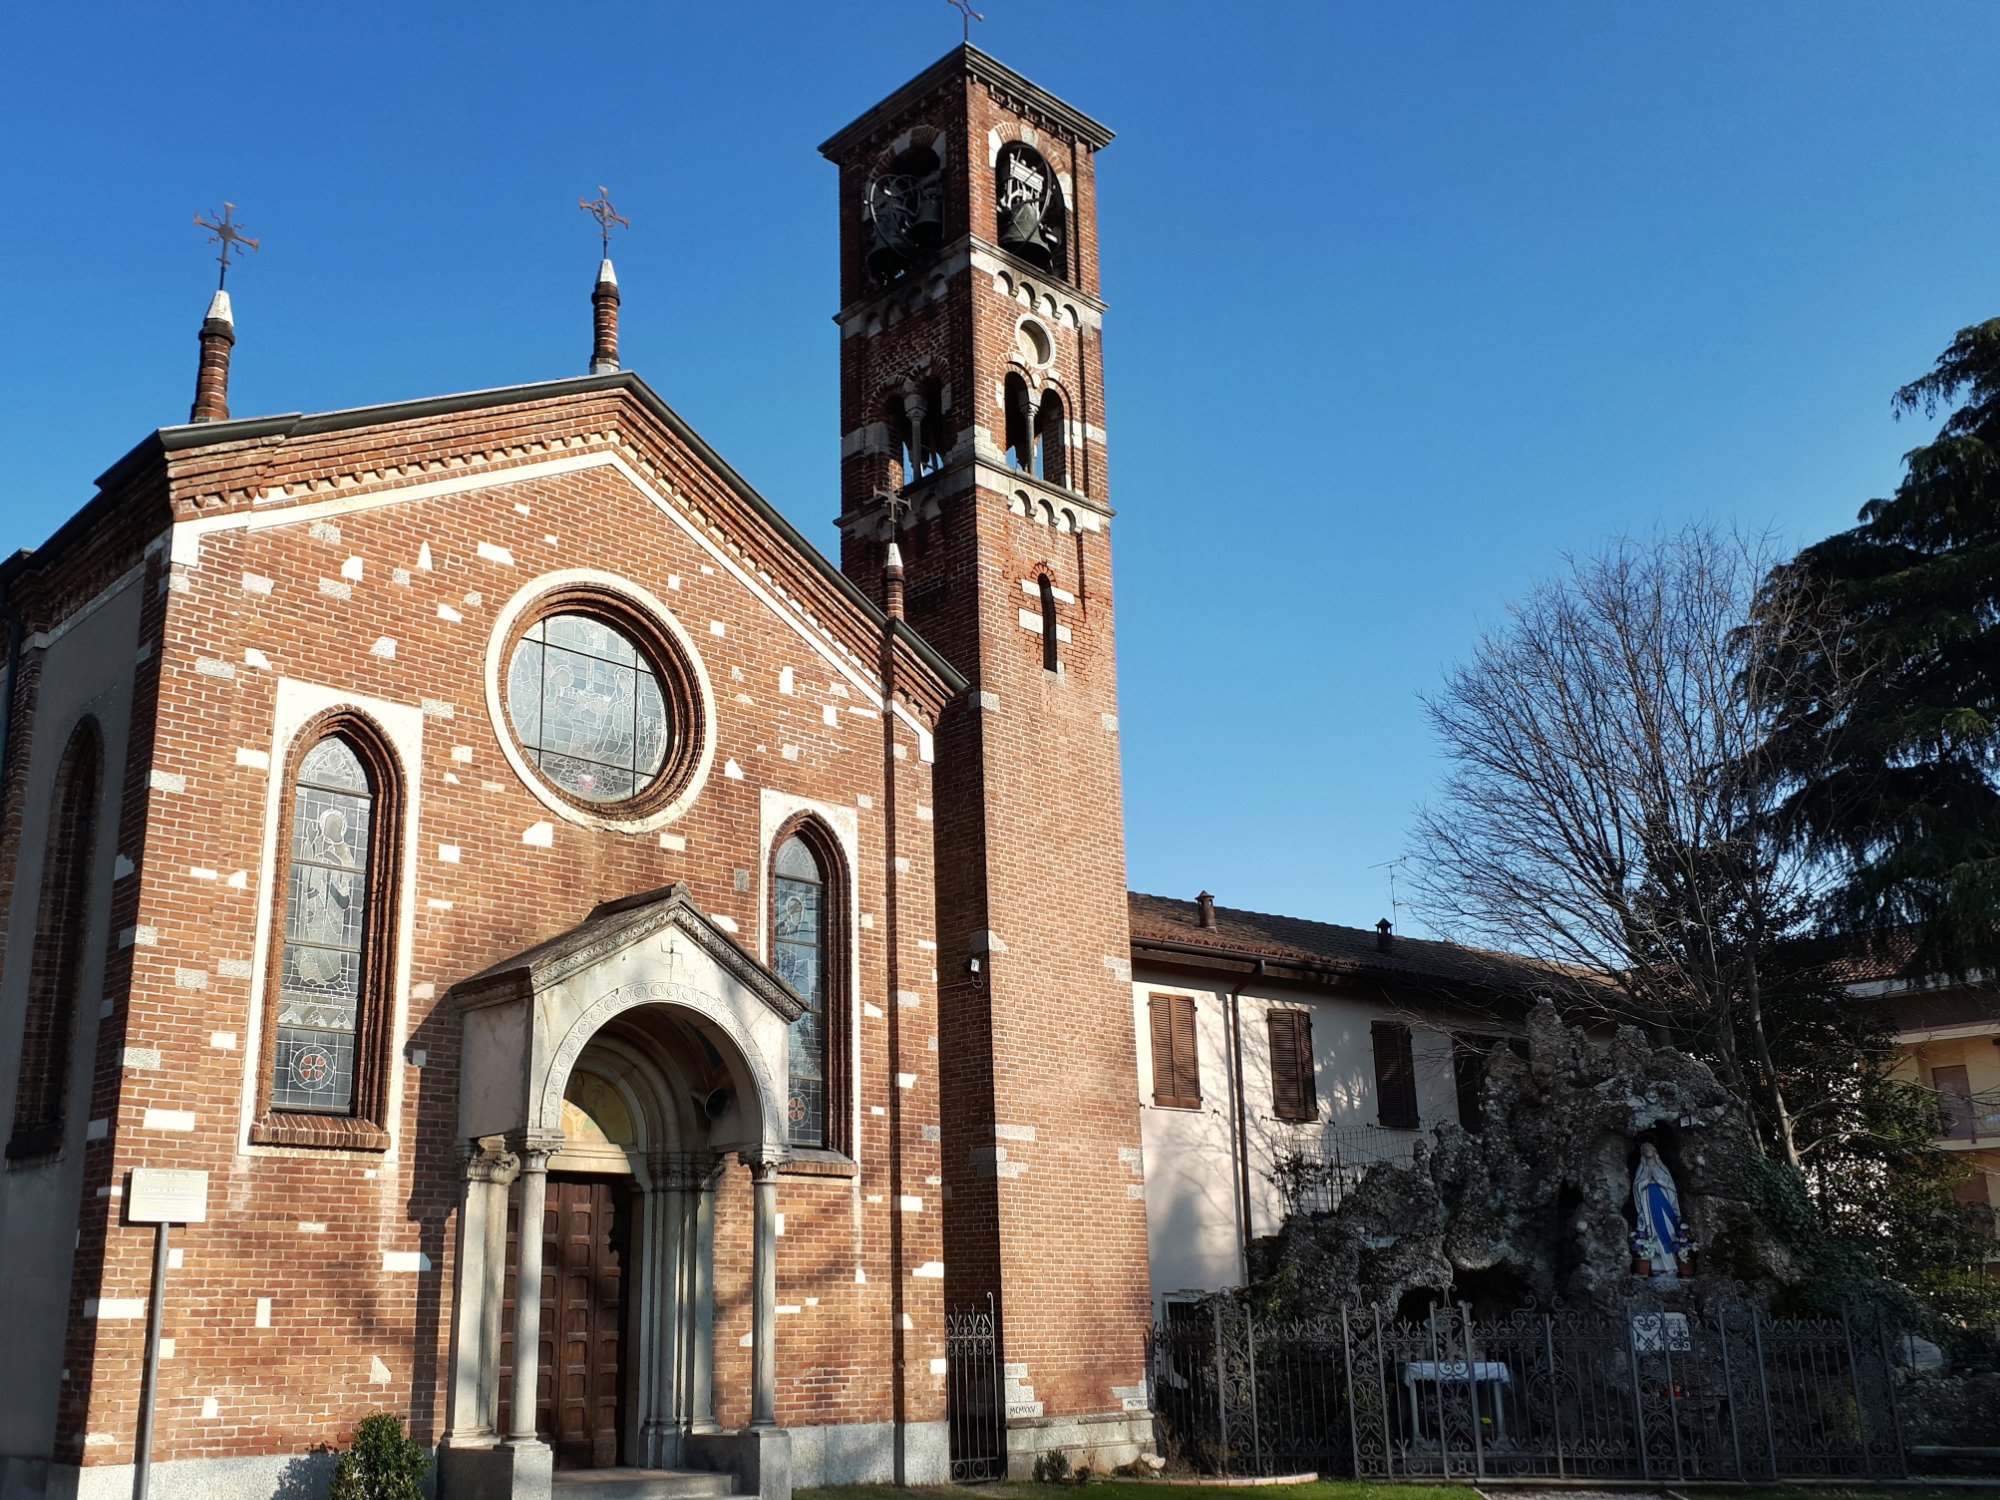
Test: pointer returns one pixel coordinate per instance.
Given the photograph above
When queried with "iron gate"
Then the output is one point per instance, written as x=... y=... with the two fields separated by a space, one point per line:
x=975 y=1396
x=1658 y=1395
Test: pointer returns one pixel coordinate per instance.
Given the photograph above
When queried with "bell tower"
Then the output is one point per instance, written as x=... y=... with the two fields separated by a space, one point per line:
x=972 y=435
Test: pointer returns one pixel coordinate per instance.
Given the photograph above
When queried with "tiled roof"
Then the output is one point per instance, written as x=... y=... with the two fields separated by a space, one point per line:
x=1328 y=945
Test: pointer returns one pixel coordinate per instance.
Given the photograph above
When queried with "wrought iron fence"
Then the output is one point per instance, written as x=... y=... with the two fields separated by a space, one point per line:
x=1663 y=1395
x=975 y=1396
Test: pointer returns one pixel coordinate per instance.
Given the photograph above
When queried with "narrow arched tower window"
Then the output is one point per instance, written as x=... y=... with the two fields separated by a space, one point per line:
x=1051 y=463
x=324 y=978
x=1020 y=424
x=1051 y=657
x=799 y=954
x=55 y=966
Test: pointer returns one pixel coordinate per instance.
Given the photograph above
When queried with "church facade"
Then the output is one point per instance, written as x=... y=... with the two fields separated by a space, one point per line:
x=603 y=961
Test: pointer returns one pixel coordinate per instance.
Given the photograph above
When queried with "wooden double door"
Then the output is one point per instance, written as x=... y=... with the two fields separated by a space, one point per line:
x=580 y=1387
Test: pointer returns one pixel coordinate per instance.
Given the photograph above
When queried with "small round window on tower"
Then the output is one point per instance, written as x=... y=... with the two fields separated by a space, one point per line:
x=1033 y=342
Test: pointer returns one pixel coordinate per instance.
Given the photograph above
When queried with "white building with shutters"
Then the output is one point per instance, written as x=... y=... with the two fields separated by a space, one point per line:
x=1265 y=1040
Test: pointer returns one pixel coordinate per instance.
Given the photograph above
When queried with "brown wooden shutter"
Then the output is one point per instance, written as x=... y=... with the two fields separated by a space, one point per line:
x=1395 y=1075
x=1176 y=1062
x=1293 y=1096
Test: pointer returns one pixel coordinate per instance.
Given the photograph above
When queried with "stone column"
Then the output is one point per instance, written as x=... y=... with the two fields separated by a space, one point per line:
x=701 y=1305
x=482 y=1249
x=535 y=1156
x=764 y=1295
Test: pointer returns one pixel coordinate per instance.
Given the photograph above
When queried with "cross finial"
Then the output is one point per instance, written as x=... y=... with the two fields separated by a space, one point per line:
x=605 y=214
x=966 y=15
x=225 y=231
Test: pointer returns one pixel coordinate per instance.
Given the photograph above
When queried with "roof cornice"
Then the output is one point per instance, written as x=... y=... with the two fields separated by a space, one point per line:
x=193 y=436
x=967 y=60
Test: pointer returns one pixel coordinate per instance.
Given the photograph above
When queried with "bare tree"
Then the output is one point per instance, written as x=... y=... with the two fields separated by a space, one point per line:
x=1608 y=807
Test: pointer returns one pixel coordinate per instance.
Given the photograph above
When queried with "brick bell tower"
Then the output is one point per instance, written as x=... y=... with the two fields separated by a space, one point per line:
x=972 y=434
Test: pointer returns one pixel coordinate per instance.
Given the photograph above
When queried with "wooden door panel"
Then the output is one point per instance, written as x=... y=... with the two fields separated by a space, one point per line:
x=580 y=1383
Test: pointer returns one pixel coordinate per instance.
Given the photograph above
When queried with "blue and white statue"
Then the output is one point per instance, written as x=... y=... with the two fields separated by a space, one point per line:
x=1659 y=1239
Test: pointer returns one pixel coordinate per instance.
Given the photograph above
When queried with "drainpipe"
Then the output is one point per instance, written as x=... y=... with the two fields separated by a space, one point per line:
x=1242 y=1130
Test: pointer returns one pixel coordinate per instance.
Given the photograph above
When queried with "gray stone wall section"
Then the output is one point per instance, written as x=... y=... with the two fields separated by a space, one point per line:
x=865 y=1453
x=1099 y=1442
x=86 y=671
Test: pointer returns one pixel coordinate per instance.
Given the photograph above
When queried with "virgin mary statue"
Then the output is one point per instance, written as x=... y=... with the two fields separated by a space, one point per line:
x=1657 y=1203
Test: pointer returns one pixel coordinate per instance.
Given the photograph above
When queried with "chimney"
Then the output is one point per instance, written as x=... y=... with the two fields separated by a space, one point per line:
x=211 y=381
x=604 y=303
x=892 y=583
x=1384 y=935
x=1204 y=906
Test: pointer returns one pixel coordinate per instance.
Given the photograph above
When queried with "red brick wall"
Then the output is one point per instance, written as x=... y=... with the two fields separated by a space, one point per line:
x=306 y=1378
x=1030 y=818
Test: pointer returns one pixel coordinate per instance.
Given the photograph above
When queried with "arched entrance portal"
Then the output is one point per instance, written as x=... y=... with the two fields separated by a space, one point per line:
x=607 y=1077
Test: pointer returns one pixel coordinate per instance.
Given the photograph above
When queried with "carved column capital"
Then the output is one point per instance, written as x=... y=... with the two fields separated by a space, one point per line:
x=491 y=1162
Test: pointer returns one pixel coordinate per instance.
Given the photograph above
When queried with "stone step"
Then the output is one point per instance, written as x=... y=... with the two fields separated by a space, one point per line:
x=641 y=1484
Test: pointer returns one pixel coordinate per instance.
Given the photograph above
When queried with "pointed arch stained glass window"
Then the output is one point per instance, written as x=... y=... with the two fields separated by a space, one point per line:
x=798 y=952
x=326 y=923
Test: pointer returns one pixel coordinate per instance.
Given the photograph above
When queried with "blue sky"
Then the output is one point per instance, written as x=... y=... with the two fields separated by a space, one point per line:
x=1406 y=298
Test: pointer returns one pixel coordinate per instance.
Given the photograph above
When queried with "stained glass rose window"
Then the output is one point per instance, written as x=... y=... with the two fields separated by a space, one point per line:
x=586 y=705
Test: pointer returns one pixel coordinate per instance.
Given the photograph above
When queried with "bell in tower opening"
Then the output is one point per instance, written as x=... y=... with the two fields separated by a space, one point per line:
x=1031 y=207
x=905 y=211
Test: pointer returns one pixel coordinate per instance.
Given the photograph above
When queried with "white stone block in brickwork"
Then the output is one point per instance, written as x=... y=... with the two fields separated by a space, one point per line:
x=405 y=1260
x=462 y=754
x=733 y=771
x=437 y=708
x=436 y=903
x=378 y=1373
x=871 y=1010
x=325 y=531
x=233 y=968
x=263 y=1312
x=145 y=937
x=717 y=628
x=908 y=997
x=384 y=647
x=868 y=920
x=256 y=760
x=203 y=872
x=115 y=1309
x=351 y=570
x=540 y=836
x=400 y=576
x=310 y=1227
x=930 y=1270
x=336 y=588
x=424 y=991
x=1135 y=1190
x=938 y=1366
x=986 y=701
x=902 y=865
x=255 y=658
x=142 y=1058
x=448 y=853
x=906 y=1080
x=725 y=923
x=446 y=612
x=167 y=781
x=191 y=979
x=865 y=802
x=210 y=1407
x=910 y=1204
x=176 y=1121
x=1013 y=1132
x=424 y=556
x=495 y=554
x=933 y=1133
x=240 y=880
x=829 y=715
x=1109 y=721
x=256 y=583
x=790 y=752
x=1121 y=968
x=674 y=841
x=925 y=945
x=222 y=1041
x=167 y=1345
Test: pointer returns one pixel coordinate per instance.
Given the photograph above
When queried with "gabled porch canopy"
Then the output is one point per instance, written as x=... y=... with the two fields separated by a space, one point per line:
x=654 y=982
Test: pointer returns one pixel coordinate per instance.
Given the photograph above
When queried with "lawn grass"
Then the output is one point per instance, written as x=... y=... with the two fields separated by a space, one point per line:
x=1124 y=1489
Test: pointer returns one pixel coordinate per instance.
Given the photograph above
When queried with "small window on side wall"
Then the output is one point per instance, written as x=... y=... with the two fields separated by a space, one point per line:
x=1294 y=1094
x=1176 y=1059
x=1395 y=1075
x=332 y=967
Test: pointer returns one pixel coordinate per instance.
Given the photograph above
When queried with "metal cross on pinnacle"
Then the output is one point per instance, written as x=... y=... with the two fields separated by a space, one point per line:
x=966 y=14
x=225 y=231
x=605 y=214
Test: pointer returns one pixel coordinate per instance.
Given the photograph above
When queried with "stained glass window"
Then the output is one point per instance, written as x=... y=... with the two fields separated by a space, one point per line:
x=587 y=708
x=798 y=952
x=326 y=920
